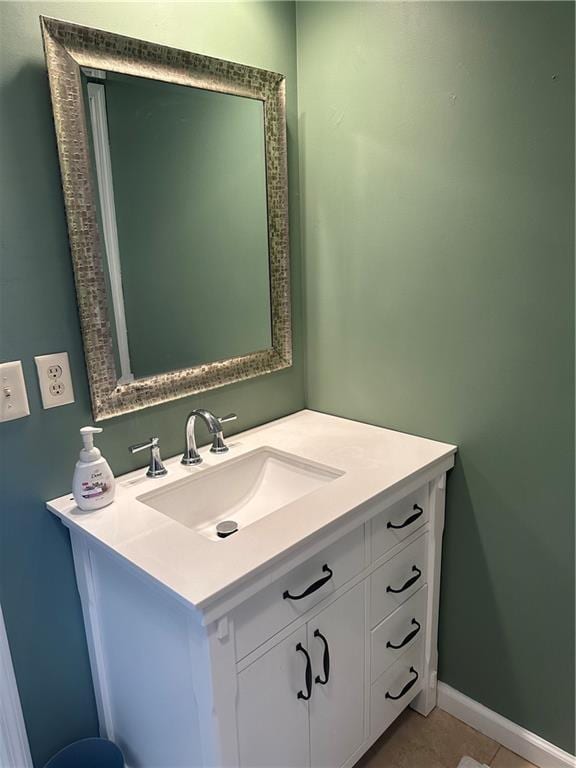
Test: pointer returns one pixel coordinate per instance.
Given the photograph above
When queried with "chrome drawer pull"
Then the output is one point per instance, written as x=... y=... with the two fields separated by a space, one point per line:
x=409 y=520
x=410 y=636
x=406 y=688
x=313 y=587
x=408 y=584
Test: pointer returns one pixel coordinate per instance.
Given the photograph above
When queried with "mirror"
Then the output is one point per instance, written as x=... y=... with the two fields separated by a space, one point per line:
x=181 y=179
x=174 y=176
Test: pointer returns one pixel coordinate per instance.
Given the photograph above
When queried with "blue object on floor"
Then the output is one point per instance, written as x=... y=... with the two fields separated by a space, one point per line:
x=88 y=753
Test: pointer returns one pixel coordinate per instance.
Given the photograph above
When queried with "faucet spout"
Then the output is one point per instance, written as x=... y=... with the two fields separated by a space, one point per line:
x=214 y=425
x=211 y=421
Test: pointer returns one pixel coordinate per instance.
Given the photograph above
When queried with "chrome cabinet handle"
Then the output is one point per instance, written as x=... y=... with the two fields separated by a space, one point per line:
x=406 y=688
x=409 y=520
x=412 y=580
x=410 y=636
x=313 y=587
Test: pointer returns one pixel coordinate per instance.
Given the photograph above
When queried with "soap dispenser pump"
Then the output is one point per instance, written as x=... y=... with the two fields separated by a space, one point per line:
x=93 y=485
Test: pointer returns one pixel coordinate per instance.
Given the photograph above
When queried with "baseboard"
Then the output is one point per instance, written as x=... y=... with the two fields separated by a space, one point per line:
x=515 y=738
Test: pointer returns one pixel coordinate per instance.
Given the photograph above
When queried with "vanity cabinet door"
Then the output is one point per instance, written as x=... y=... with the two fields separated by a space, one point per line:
x=273 y=721
x=336 y=642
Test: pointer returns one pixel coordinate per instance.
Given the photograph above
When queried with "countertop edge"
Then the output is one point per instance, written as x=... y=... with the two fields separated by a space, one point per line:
x=222 y=601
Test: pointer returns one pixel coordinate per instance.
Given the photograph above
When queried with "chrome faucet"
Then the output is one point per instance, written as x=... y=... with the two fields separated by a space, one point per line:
x=155 y=467
x=214 y=424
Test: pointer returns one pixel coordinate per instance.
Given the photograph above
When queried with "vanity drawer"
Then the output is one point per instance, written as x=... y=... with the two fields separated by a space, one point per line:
x=395 y=689
x=398 y=579
x=398 y=633
x=291 y=596
x=399 y=521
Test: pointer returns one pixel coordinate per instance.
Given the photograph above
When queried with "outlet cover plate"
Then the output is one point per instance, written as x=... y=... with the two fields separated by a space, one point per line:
x=13 y=396
x=54 y=379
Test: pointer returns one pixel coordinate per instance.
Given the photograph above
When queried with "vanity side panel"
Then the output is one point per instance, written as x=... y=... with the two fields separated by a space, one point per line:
x=425 y=702
x=146 y=650
x=86 y=589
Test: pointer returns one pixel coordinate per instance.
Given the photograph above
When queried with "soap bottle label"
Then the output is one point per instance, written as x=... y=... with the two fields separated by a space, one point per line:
x=95 y=487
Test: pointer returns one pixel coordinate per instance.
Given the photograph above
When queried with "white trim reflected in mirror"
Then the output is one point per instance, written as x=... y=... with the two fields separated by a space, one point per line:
x=103 y=162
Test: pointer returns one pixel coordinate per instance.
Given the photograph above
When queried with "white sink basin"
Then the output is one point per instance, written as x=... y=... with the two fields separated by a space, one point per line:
x=244 y=490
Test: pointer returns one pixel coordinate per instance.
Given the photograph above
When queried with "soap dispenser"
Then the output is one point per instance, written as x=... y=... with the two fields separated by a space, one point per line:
x=93 y=485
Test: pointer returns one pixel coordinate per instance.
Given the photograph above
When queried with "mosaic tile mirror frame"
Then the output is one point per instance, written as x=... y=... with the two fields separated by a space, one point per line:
x=69 y=50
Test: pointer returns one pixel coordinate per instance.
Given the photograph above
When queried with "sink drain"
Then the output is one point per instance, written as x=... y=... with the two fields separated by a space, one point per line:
x=226 y=528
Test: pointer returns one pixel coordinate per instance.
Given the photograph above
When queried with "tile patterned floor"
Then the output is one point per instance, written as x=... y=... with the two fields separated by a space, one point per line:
x=436 y=741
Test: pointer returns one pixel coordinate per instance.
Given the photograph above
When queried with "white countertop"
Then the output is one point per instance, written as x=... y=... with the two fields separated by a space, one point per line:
x=375 y=461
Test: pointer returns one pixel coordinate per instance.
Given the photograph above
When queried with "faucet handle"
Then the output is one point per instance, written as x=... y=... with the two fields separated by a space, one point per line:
x=155 y=468
x=152 y=442
x=218 y=444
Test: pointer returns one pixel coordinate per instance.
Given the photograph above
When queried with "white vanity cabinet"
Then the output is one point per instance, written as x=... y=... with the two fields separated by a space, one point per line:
x=305 y=668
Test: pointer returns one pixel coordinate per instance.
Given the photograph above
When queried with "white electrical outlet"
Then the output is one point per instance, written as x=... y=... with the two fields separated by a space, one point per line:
x=13 y=397
x=54 y=379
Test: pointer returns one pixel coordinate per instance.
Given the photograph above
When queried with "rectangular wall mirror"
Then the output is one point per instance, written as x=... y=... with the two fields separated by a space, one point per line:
x=174 y=175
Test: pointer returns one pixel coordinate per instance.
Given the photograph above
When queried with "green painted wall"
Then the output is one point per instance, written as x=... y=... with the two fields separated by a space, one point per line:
x=436 y=145
x=189 y=180
x=38 y=315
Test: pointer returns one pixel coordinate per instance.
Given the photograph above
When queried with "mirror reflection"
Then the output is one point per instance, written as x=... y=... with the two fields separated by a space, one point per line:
x=181 y=179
